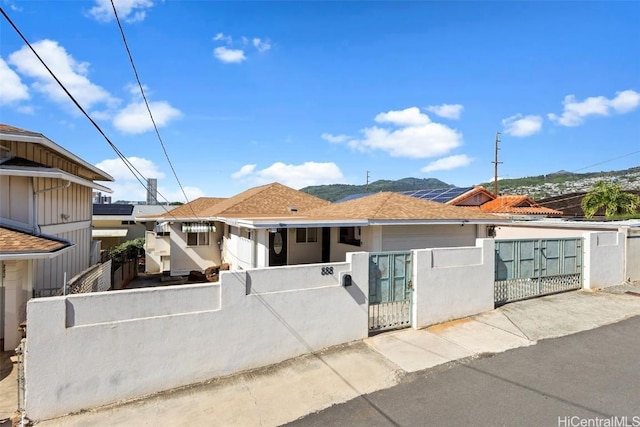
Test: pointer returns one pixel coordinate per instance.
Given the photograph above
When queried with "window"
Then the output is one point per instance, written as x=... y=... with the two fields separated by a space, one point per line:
x=198 y=239
x=350 y=236
x=312 y=235
x=306 y=235
x=245 y=233
x=127 y=222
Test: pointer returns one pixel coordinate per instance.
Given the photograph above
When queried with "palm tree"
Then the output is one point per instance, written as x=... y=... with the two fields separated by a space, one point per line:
x=610 y=197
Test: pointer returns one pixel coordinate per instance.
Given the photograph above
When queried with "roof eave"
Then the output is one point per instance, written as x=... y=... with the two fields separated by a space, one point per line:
x=51 y=173
x=43 y=140
x=30 y=255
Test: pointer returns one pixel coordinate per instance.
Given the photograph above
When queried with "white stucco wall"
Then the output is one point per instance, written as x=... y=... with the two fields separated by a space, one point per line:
x=451 y=283
x=304 y=252
x=136 y=342
x=533 y=232
x=633 y=254
x=604 y=259
x=155 y=248
x=405 y=237
x=17 y=291
x=186 y=258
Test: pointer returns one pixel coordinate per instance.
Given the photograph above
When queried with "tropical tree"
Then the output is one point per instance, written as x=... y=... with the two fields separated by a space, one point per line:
x=610 y=197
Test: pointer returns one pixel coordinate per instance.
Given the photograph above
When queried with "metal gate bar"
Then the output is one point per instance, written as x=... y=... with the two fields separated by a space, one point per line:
x=536 y=267
x=389 y=290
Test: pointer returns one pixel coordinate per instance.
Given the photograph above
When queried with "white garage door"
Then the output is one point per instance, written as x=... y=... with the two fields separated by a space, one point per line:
x=404 y=237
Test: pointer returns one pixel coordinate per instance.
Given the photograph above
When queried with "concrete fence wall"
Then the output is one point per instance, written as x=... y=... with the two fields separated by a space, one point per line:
x=93 y=349
x=450 y=283
x=88 y=350
x=604 y=259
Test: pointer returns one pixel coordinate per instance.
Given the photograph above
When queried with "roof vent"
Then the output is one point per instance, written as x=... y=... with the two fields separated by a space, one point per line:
x=293 y=209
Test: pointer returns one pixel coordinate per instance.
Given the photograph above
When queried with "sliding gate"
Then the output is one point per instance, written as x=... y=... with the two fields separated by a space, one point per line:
x=535 y=267
x=390 y=288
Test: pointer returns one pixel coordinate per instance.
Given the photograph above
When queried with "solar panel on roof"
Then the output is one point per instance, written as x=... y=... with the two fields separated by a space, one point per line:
x=441 y=195
x=112 y=209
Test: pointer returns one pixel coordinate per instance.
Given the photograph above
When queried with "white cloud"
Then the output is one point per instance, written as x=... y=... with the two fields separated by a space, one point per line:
x=71 y=73
x=229 y=55
x=245 y=170
x=448 y=111
x=261 y=45
x=118 y=170
x=11 y=87
x=134 y=118
x=575 y=112
x=295 y=176
x=126 y=187
x=448 y=163
x=128 y=10
x=335 y=139
x=520 y=126
x=625 y=101
x=414 y=135
x=407 y=117
x=222 y=37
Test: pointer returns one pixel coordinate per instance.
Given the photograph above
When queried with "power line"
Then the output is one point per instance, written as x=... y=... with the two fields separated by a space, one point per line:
x=146 y=103
x=137 y=174
x=606 y=161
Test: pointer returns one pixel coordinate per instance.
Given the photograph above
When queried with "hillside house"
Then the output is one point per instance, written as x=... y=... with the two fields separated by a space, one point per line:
x=45 y=221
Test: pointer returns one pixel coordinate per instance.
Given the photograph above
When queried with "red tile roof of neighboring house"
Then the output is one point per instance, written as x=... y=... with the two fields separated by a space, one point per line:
x=394 y=206
x=516 y=204
x=17 y=242
x=478 y=190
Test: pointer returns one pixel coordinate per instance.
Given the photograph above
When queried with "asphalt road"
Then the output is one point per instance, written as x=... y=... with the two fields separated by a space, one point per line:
x=587 y=379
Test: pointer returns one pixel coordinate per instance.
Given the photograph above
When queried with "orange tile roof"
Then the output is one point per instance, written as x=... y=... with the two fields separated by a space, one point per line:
x=17 y=242
x=267 y=200
x=516 y=204
x=394 y=206
x=476 y=190
x=199 y=206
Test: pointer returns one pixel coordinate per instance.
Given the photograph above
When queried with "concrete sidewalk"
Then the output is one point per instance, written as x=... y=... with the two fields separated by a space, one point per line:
x=282 y=393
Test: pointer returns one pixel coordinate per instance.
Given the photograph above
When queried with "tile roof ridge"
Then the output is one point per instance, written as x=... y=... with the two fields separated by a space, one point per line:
x=384 y=196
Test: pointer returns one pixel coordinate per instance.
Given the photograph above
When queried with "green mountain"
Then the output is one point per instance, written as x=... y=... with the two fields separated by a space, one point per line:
x=537 y=187
x=335 y=192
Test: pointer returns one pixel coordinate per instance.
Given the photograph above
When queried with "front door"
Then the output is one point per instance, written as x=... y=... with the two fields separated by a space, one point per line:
x=278 y=247
x=326 y=244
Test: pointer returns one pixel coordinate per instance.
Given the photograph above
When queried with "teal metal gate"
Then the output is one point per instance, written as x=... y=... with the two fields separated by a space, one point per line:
x=534 y=267
x=390 y=288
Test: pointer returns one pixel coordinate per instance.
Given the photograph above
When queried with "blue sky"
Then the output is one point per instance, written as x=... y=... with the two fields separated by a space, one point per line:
x=308 y=93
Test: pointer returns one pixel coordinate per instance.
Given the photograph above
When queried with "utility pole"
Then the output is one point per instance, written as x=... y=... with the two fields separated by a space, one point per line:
x=495 y=166
x=367 y=186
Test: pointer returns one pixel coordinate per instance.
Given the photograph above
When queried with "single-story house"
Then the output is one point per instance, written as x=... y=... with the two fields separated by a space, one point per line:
x=276 y=225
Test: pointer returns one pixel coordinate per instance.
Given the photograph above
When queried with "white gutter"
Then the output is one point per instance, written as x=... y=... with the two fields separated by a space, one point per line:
x=297 y=223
